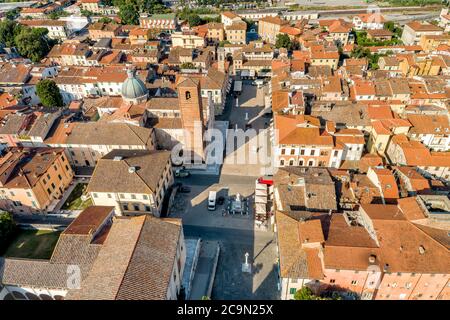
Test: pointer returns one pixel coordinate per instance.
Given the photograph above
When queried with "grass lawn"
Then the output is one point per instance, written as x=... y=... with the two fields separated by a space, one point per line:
x=33 y=244
x=74 y=201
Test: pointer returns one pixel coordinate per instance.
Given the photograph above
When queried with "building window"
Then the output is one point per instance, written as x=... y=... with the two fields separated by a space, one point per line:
x=53 y=186
x=292 y=291
x=122 y=196
x=283 y=151
x=148 y=209
x=125 y=207
x=354 y=282
x=332 y=280
x=109 y=195
x=188 y=95
x=302 y=152
x=49 y=191
x=95 y=195
x=145 y=197
x=313 y=152
x=67 y=167
x=292 y=151
x=136 y=207
x=59 y=177
x=133 y=196
x=28 y=194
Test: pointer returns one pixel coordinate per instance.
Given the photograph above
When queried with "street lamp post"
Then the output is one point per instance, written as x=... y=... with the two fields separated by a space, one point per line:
x=246 y=267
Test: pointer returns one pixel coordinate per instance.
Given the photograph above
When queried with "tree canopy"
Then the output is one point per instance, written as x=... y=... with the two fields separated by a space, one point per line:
x=187 y=65
x=30 y=43
x=105 y=20
x=361 y=52
x=48 y=93
x=194 y=20
x=129 y=10
x=8 y=31
x=7 y=228
x=12 y=14
x=283 y=41
x=33 y=43
x=306 y=293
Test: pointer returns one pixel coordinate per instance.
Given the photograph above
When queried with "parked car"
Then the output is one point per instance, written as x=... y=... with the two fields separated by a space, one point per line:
x=184 y=189
x=181 y=173
x=268 y=180
x=220 y=200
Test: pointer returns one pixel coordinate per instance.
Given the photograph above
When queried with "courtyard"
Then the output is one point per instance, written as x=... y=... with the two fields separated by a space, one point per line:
x=74 y=200
x=32 y=244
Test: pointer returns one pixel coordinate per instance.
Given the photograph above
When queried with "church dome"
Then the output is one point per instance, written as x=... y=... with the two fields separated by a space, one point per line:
x=133 y=89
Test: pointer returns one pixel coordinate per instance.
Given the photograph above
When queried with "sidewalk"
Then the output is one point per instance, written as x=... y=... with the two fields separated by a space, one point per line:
x=205 y=270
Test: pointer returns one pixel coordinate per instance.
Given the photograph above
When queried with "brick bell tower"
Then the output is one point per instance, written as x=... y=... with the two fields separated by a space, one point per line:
x=191 y=109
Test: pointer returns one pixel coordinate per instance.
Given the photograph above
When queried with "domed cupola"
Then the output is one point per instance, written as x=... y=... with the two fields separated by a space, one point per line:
x=133 y=89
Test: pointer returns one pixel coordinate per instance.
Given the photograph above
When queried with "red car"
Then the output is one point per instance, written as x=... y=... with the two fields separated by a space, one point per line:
x=266 y=180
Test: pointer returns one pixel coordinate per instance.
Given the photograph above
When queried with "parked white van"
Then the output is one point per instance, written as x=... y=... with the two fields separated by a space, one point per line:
x=212 y=200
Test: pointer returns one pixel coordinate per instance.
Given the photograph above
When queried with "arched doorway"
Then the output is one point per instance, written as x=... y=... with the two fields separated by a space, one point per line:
x=8 y=296
x=45 y=297
x=31 y=296
x=18 y=295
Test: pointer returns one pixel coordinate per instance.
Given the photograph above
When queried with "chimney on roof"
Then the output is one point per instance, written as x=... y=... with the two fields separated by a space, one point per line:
x=131 y=169
x=421 y=249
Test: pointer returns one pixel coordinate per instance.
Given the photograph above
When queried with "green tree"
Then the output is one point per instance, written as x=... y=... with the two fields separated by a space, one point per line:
x=105 y=20
x=12 y=14
x=194 y=20
x=283 y=41
x=33 y=43
x=304 y=293
x=7 y=229
x=129 y=13
x=390 y=25
x=57 y=14
x=8 y=31
x=187 y=65
x=360 y=52
x=86 y=13
x=223 y=43
x=48 y=93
